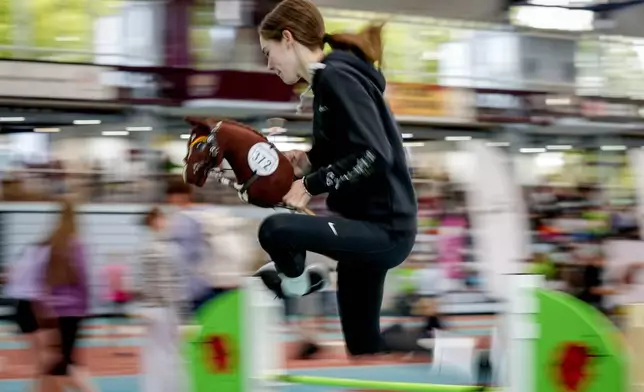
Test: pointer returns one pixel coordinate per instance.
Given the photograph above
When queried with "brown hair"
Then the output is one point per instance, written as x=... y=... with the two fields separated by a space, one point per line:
x=60 y=268
x=176 y=186
x=305 y=22
x=153 y=214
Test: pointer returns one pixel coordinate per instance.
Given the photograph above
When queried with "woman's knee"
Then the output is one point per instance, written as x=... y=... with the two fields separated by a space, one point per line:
x=274 y=230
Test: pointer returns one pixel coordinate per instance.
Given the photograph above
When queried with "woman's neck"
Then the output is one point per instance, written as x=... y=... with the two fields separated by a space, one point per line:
x=310 y=57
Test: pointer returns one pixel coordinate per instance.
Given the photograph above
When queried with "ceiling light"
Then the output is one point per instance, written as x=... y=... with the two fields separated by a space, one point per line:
x=531 y=150
x=497 y=144
x=559 y=147
x=87 y=122
x=12 y=119
x=138 y=129
x=185 y=136
x=558 y=101
x=458 y=138
x=115 y=133
x=407 y=135
x=47 y=130
x=414 y=144
x=613 y=148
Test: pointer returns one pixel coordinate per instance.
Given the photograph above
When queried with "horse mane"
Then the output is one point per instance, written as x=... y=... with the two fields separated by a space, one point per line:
x=247 y=127
x=233 y=122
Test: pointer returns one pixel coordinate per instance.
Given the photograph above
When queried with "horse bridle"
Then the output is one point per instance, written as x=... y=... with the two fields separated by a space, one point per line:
x=219 y=174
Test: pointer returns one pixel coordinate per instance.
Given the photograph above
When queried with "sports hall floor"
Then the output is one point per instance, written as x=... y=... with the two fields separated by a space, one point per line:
x=101 y=349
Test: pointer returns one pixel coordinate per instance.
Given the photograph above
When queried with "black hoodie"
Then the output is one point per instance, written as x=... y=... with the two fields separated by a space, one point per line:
x=358 y=155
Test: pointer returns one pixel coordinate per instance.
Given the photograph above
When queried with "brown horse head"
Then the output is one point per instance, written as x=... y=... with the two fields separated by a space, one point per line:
x=264 y=175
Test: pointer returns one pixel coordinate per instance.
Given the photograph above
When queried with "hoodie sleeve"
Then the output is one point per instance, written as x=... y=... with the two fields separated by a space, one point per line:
x=347 y=97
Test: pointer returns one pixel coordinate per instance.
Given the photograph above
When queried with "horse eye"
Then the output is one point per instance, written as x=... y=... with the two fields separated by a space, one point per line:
x=201 y=146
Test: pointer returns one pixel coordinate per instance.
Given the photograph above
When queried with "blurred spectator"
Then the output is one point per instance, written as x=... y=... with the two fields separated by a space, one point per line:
x=188 y=233
x=162 y=295
x=542 y=265
x=624 y=223
x=23 y=287
x=400 y=338
x=66 y=288
x=593 y=289
x=117 y=293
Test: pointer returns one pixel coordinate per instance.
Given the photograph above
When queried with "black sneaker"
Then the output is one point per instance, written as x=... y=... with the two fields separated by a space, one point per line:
x=271 y=279
x=318 y=278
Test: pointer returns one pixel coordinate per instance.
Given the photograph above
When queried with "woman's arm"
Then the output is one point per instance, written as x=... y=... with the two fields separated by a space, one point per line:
x=365 y=129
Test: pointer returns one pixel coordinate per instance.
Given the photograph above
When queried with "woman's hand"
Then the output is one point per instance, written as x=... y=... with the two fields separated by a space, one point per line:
x=300 y=162
x=298 y=197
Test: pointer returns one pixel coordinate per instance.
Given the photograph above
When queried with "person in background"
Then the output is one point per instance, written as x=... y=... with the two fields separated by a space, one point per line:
x=427 y=308
x=162 y=298
x=117 y=293
x=65 y=284
x=593 y=289
x=402 y=338
x=188 y=234
x=542 y=265
x=21 y=285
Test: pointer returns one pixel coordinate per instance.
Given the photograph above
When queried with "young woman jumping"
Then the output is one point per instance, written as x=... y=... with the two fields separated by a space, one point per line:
x=357 y=157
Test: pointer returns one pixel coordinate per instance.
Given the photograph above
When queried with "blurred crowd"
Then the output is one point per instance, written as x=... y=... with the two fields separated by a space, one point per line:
x=569 y=226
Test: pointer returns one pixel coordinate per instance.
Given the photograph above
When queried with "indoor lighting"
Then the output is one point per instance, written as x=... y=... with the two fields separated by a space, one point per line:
x=407 y=135
x=497 y=144
x=457 y=138
x=12 y=119
x=552 y=17
x=138 y=129
x=87 y=122
x=185 y=136
x=613 y=148
x=47 y=130
x=115 y=133
x=414 y=144
x=559 y=147
x=556 y=101
x=531 y=150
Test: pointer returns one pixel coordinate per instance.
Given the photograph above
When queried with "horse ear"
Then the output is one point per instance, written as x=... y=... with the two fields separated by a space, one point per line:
x=195 y=121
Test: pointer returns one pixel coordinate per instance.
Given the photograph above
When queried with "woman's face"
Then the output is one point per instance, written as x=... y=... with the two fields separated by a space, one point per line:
x=158 y=224
x=282 y=57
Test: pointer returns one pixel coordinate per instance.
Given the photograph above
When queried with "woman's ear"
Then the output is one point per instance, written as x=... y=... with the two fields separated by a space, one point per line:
x=287 y=37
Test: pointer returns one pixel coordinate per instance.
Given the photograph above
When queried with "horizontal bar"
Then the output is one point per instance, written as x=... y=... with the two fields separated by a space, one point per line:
x=375 y=385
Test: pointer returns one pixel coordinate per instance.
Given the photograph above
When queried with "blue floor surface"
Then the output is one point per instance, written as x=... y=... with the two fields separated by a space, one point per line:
x=417 y=373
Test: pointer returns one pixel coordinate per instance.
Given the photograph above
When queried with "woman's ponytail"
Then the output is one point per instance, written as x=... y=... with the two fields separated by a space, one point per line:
x=367 y=43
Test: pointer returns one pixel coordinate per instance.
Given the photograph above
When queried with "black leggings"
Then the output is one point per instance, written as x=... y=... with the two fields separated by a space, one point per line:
x=365 y=252
x=68 y=332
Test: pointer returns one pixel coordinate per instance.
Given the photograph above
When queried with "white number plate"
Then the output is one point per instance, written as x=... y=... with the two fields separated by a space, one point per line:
x=263 y=159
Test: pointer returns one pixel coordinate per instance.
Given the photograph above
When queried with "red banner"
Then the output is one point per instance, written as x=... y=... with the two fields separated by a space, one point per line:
x=171 y=86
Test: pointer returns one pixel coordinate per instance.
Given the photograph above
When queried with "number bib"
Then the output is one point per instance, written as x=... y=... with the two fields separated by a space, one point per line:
x=263 y=159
